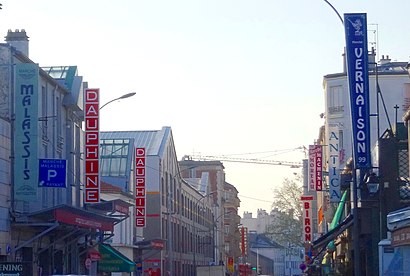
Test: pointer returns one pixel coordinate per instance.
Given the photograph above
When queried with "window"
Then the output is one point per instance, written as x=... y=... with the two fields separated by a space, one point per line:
x=114 y=157
x=335 y=99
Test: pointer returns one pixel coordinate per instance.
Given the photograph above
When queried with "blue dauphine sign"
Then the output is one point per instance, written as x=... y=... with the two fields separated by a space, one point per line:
x=52 y=173
x=358 y=79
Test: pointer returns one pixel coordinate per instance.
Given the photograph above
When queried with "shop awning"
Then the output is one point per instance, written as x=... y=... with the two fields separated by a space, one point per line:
x=332 y=234
x=113 y=261
x=75 y=216
x=150 y=244
x=337 y=217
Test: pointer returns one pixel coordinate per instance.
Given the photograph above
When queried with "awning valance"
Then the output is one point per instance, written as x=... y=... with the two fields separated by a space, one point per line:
x=113 y=261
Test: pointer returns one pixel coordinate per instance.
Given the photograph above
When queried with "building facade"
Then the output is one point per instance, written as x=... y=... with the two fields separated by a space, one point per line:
x=177 y=233
x=43 y=222
x=389 y=90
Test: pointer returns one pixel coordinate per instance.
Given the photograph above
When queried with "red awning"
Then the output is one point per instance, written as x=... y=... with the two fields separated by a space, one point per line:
x=76 y=216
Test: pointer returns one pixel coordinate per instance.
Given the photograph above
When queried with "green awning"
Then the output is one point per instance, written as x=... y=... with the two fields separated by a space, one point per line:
x=337 y=217
x=113 y=261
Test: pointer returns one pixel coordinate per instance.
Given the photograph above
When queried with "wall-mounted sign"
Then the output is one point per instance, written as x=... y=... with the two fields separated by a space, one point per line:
x=92 y=143
x=333 y=164
x=140 y=187
x=307 y=218
x=315 y=168
x=16 y=268
x=26 y=132
x=52 y=173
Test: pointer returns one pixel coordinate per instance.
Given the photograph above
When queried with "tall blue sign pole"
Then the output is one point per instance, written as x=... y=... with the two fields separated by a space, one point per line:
x=358 y=79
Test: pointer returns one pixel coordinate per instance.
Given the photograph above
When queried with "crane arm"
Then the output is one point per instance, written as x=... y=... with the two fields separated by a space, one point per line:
x=245 y=160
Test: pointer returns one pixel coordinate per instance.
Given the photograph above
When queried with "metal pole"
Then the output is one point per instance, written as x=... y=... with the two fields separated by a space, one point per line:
x=356 y=245
x=119 y=98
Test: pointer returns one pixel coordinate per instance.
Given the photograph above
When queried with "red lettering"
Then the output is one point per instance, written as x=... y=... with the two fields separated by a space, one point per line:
x=91 y=181
x=91 y=152
x=139 y=212
x=140 y=192
x=140 y=182
x=91 y=166
x=140 y=202
x=91 y=95
x=91 y=110
x=92 y=195
x=91 y=138
x=140 y=152
x=140 y=162
x=140 y=171
x=140 y=222
x=91 y=124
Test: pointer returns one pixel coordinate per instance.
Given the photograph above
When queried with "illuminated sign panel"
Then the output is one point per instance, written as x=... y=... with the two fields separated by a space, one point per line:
x=92 y=142
x=358 y=79
x=140 y=200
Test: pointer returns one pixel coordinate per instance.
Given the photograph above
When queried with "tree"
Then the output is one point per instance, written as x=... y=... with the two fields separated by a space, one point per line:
x=287 y=211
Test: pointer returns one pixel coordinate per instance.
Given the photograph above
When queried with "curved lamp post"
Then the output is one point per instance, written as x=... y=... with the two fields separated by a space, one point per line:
x=119 y=98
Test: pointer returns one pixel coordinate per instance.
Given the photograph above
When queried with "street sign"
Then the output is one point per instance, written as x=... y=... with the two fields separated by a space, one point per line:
x=52 y=173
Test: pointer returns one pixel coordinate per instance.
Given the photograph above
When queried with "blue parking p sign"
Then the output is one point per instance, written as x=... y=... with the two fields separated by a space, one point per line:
x=52 y=173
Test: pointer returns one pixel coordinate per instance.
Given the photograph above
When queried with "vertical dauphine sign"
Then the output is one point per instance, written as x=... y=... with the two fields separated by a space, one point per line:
x=358 y=79
x=92 y=144
x=315 y=168
x=307 y=218
x=26 y=132
x=333 y=163
x=140 y=188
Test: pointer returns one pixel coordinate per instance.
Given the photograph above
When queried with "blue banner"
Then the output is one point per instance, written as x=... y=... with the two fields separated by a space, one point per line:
x=358 y=79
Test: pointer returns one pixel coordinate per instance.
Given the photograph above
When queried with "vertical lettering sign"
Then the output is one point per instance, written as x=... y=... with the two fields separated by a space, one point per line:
x=140 y=200
x=92 y=143
x=307 y=218
x=318 y=162
x=315 y=168
x=312 y=168
x=333 y=163
x=26 y=132
x=358 y=79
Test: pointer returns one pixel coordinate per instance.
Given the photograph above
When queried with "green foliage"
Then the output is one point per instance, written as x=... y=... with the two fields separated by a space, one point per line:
x=287 y=209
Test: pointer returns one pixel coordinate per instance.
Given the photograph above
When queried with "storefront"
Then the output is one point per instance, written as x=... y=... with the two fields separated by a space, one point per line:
x=57 y=240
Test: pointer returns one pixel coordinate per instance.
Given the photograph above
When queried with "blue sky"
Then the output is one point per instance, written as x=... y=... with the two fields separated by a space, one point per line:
x=229 y=77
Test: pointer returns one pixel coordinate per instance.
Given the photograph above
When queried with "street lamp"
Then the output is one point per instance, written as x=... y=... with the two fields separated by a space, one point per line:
x=119 y=98
x=194 y=228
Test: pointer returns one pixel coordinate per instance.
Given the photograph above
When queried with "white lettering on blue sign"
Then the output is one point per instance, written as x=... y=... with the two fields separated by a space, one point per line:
x=358 y=79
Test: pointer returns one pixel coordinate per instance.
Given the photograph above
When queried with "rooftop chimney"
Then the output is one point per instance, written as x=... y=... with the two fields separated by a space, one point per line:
x=385 y=60
x=19 y=40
